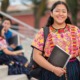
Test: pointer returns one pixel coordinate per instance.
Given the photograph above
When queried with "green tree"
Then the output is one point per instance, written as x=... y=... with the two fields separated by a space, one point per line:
x=73 y=6
x=4 y=5
x=39 y=9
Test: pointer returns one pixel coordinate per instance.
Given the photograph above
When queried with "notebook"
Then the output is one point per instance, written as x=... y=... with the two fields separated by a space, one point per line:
x=59 y=57
x=13 y=40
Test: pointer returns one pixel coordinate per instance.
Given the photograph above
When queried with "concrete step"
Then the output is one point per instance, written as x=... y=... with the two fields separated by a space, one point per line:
x=15 y=77
x=33 y=78
x=3 y=71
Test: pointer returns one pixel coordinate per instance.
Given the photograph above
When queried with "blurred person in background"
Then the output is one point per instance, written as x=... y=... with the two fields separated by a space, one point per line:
x=4 y=48
x=7 y=23
x=6 y=57
x=1 y=18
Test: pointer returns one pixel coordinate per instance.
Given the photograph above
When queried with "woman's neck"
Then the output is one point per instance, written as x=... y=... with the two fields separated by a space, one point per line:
x=58 y=26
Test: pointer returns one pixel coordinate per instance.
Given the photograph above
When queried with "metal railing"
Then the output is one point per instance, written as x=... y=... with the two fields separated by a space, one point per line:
x=18 y=21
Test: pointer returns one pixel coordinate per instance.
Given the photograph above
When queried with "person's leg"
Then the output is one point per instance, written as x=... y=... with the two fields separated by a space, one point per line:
x=18 y=48
x=4 y=59
x=20 y=58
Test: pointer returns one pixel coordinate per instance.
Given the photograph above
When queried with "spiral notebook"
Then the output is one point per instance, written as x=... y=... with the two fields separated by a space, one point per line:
x=59 y=57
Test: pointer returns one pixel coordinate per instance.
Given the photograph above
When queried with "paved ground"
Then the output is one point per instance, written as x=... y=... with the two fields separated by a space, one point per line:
x=27 y=48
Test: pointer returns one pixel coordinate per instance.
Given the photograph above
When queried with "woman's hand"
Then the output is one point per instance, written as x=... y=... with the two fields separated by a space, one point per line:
x=59 y=71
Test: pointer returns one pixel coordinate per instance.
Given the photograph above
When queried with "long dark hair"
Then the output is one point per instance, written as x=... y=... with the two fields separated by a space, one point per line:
x=1 y=27
x=51 y=20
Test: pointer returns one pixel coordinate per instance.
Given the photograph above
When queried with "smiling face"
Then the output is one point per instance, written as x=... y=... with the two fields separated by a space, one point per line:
x=59 y=14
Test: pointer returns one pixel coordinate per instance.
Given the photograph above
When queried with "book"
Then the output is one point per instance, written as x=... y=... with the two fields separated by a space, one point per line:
x=13 y=40
x=59 y=57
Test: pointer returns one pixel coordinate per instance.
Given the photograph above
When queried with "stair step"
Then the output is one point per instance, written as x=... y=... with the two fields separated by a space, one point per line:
x=3 y=71
x=15 y=77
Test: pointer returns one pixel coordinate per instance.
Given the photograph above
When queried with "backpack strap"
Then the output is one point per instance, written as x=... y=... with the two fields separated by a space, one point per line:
x=46 y=32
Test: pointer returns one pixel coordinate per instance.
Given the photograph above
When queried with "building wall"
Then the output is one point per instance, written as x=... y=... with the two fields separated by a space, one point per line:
x=29 y=19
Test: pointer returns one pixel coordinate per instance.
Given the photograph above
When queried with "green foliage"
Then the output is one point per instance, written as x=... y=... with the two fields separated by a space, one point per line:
x=4 y=5
x=73 y=6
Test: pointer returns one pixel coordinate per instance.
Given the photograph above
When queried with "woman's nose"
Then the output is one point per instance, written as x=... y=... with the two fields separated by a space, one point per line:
x=60 y=13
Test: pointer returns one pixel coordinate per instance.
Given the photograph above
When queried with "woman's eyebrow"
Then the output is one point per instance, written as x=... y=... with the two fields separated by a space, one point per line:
x=59 y=9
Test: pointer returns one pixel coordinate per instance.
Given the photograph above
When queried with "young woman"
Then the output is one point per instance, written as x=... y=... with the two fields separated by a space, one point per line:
x=63 y=34
x=4 y=48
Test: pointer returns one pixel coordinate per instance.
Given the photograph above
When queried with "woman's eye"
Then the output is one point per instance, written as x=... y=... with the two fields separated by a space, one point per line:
x=64 y=11
x=56 y=11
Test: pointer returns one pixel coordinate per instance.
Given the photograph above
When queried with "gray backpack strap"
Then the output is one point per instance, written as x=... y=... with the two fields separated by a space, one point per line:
x=46 y=32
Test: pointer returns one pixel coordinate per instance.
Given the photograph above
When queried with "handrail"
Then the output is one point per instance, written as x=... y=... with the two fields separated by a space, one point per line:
x=18 y=21
x=17 y=33
x=20 y=35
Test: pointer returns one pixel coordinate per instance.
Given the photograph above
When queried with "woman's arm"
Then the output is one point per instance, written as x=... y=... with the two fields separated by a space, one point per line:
x=8 y=52
x=39 y=59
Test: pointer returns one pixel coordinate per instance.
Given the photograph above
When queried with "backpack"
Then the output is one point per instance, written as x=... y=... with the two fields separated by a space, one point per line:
x=33 y=68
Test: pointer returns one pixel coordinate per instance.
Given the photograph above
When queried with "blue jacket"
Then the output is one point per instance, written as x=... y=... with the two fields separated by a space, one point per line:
x=8 y=35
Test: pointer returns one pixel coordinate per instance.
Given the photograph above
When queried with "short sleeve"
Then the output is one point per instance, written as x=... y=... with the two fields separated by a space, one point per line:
x=3 y=44
x=38 y=41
